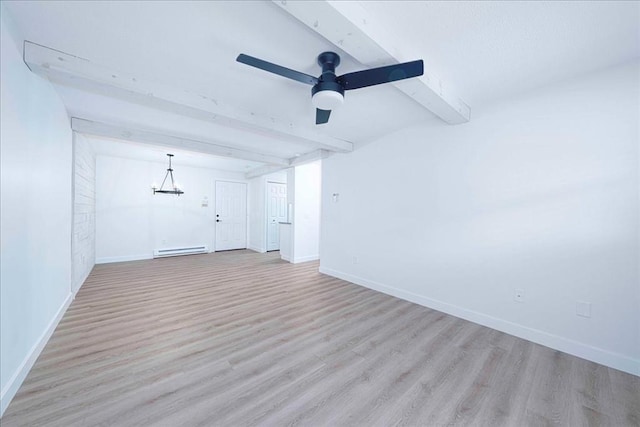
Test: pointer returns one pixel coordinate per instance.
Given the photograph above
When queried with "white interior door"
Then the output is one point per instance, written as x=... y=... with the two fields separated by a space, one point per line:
x=276 y=213
x=231 y=215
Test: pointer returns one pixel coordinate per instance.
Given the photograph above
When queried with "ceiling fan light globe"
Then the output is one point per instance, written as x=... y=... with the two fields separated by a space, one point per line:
x=327 y=99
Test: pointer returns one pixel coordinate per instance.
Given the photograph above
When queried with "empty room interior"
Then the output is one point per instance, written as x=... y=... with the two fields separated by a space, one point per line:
x=340 y=213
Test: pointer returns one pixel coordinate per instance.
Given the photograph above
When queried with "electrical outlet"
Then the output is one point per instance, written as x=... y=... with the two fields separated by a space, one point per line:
x=355 y=259
x=518 y=296
x=583 y=308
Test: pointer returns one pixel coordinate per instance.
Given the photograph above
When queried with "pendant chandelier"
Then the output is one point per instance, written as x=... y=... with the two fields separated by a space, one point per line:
x=175 y=187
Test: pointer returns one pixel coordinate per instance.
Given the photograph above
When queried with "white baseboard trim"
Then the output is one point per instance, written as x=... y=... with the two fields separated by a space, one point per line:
x=285 y=257
x=107 y=260
x=305 y=259
x=10 y=390
x=556 y=342
x=257 y=249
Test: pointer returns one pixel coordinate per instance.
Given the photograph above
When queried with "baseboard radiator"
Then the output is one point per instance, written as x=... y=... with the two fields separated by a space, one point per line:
x=189 y=250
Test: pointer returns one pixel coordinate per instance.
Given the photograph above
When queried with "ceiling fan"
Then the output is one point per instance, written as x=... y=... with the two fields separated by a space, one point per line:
x=327 y=92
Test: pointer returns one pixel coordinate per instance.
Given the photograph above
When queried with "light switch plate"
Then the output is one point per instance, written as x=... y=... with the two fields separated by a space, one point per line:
x=583 y=309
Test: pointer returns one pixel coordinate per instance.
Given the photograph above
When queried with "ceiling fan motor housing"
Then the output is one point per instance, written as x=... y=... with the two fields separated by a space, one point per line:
x=328 y=94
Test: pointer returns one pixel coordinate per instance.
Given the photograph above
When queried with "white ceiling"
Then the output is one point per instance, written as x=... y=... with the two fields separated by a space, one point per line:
x=491 y=50
x=485 y=50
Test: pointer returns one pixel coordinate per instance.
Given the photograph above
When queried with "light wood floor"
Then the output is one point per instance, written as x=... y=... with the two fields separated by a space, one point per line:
x=241 y=338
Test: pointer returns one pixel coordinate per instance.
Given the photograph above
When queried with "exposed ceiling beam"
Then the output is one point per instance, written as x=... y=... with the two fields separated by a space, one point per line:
x=77 y=72
x=130 y=133
x=350 y=27
x=309 y=157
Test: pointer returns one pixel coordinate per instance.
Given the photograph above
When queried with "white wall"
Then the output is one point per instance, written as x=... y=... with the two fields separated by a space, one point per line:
x=258 y=209
x=306 y=212
x=84 y=210
x=131 y=221
x=35 y=214
x=539 y=194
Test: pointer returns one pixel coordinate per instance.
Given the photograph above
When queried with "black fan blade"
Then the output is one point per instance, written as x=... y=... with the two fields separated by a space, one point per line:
x=322 y=116
x=376 y=76
x=277 y=69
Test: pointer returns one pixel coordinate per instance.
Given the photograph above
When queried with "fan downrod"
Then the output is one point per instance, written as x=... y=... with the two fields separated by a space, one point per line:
x=328 y=61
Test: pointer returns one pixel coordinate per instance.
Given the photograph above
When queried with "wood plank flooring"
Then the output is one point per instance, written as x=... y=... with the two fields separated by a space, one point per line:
x=240 y=338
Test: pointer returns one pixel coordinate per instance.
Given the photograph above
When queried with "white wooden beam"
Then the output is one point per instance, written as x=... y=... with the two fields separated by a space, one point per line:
x=77 y=72
x=349 y=26
x=130 y=133
x=309 y=157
